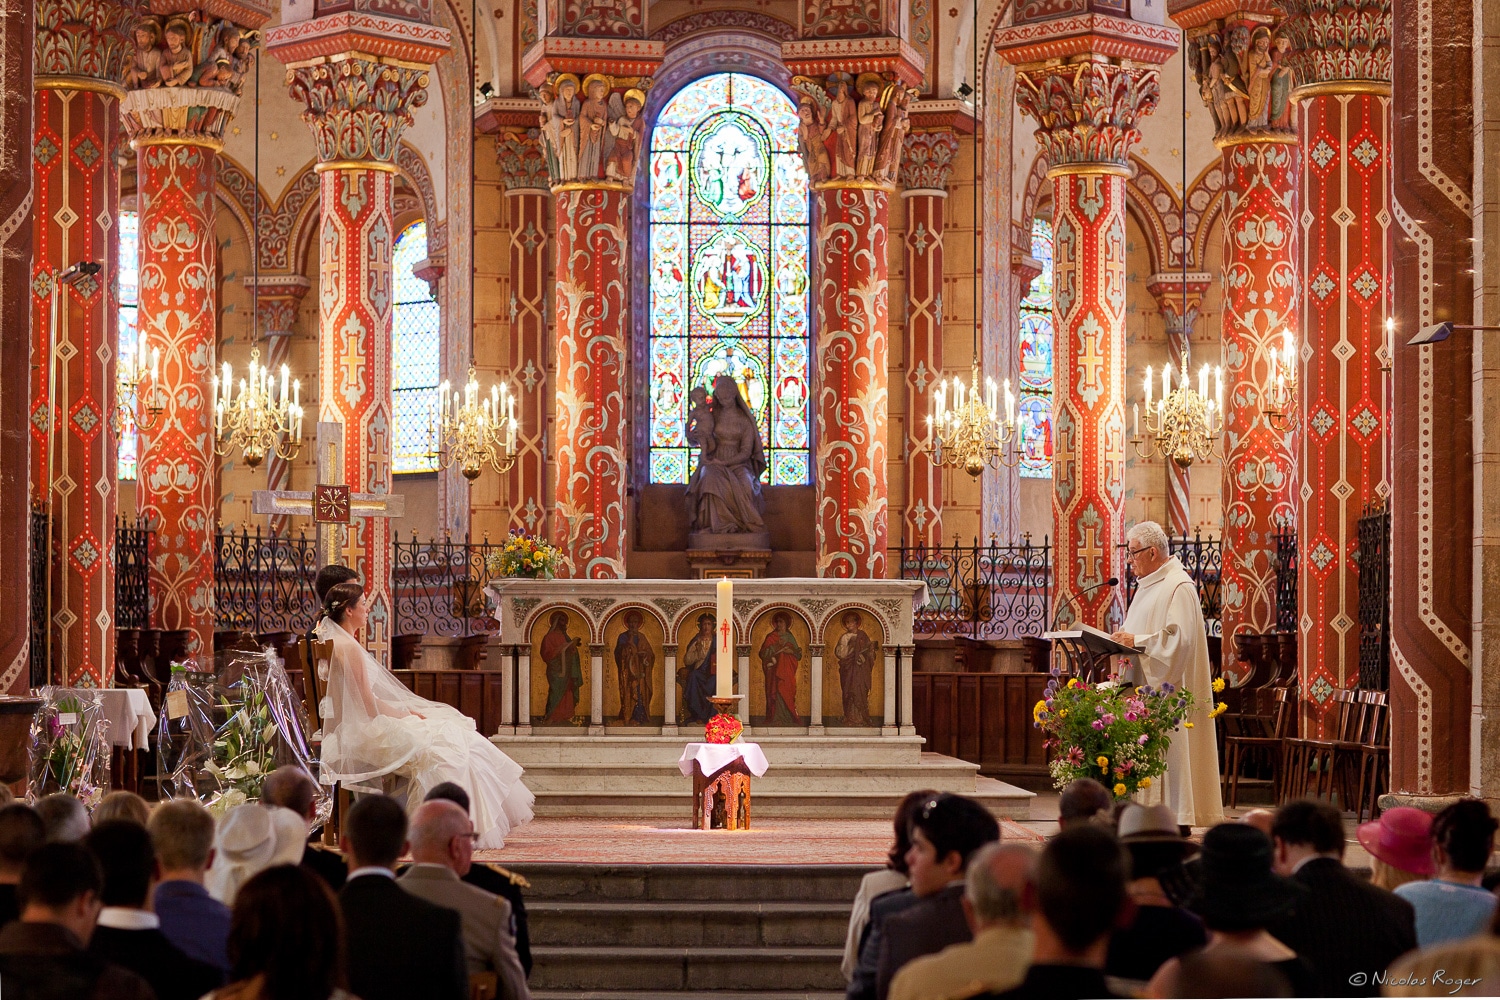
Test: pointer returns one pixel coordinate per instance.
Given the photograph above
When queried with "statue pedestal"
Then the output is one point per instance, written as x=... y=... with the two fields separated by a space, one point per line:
x=738 y=555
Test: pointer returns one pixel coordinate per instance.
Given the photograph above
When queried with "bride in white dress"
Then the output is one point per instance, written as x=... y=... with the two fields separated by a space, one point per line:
x=374 y=726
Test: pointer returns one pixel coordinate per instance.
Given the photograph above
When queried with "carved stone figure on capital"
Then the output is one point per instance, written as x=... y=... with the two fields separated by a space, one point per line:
x=1245 y=79
x=184 y=50
x=852 y=128
x=589 y=129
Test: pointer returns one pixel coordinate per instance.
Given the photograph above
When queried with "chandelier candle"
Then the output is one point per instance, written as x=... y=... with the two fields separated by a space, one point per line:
x=724 y=650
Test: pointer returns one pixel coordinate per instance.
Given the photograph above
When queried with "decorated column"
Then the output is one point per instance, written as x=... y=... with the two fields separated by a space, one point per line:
x=80 y=61
x=277 y=301
x=925 y=168
x=1342 y=60
x=359 y=79
x=175 y=110
x=1434 y=730
x=1179 y=315
x=16 y=27
x=1087 y=98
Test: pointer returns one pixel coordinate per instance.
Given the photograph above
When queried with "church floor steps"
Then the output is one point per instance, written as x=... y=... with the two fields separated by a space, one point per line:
x=681 y=932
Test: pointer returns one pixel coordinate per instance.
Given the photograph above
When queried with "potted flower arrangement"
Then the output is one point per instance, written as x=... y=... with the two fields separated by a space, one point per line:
x=525 y=556
x=69 y=751
x=244 y=748
x=1115 y=734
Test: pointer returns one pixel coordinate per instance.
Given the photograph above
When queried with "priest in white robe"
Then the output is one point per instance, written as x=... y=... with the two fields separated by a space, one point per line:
x=1166 y=621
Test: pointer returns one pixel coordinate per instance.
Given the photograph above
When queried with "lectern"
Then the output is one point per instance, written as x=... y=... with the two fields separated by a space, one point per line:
x=1089 y=651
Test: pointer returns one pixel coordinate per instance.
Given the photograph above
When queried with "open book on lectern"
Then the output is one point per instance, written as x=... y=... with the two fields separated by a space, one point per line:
x=1095 y=641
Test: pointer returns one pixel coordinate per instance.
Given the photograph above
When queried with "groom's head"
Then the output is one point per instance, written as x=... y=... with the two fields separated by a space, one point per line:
x=374 y=832
x=329 y=577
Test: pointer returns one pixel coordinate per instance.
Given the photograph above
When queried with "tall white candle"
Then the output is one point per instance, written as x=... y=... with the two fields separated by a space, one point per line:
x=724 y=642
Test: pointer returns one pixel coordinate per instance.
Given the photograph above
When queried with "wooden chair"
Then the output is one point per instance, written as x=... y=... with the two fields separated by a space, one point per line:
x=317 y=653
x=1368 y=760
x=1310 y=762
x=1262 y=747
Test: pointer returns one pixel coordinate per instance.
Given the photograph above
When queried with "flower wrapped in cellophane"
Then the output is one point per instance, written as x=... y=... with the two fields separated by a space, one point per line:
x=69 y=746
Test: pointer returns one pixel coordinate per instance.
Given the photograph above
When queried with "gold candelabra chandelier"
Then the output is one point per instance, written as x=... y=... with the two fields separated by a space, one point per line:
x=1280 y=397
x=138 y=407
x=973 y=433
x=257 y=418
x=475 y=430
x=1184 y=424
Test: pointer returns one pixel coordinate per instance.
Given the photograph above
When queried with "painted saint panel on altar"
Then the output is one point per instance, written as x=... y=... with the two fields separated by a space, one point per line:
x=633 y=643
x=853 y=671
x=780 y=669
x=560 y=690
x=696 y=667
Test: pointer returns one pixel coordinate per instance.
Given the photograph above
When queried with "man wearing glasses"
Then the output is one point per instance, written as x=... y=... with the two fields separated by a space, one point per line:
x=1165 y=622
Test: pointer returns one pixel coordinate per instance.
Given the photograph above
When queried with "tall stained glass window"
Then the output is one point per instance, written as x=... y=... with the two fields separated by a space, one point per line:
x=729 y=284
x=130 y=284
x=416 y=340
x=1035 y=402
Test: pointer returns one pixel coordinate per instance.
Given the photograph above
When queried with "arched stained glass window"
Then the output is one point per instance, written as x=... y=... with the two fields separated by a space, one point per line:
x=126 y=338
x=1035 y=400
x=416 y=337
x=729 y=271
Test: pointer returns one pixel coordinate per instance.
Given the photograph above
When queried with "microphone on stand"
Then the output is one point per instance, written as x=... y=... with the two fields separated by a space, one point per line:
x=1111 y=582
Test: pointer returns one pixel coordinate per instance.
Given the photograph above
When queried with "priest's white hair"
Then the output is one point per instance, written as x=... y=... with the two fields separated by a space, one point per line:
x=1149 y=533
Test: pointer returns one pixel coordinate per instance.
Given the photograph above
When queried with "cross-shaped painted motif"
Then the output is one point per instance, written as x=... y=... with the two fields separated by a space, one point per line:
x=1090 y=362
x=1090 y=552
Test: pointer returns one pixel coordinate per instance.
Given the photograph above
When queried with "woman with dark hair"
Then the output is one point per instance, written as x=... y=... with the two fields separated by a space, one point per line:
x=1454 y=904
x=891 y=878
x=374 y=726
x=286 y=940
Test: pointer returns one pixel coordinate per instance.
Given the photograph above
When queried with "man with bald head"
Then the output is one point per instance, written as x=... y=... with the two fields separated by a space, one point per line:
x=442 y=850
x=1001 y=950
x=293 y=788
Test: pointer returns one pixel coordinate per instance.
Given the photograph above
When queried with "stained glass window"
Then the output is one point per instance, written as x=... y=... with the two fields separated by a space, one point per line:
x=1035 y=398
x=415 y=347
x=729 y=266
x=130 y=281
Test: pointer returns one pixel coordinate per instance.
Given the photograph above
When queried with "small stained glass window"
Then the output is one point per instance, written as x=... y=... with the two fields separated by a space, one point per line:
x=1035 y=397
x=416 y=341
x=130 y=277
x=729 y=269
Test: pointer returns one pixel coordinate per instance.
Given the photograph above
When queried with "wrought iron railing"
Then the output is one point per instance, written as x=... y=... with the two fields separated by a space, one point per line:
x=439 y=587
x=982 y=591
x=1286 y=580
x=264 y=583
x=1203 y=558
x=41 y=546
x=132 y=573
x=1374 y=597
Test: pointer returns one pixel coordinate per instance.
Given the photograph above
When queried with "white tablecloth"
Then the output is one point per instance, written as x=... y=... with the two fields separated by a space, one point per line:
x=129 y=713
x=713 y=756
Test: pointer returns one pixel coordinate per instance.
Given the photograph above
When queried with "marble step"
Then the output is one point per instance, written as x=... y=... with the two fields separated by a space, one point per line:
x=571 y=747
x=671 y=970
x=688 y=924
x=696 y=885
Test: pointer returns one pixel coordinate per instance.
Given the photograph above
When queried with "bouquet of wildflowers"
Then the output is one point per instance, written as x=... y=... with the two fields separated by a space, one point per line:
x=525 y=555
x=69 y=747
x=722 y=729
x=1115 y=734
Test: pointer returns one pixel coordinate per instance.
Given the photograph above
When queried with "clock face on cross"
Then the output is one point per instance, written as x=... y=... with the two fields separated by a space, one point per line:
x=331 y=504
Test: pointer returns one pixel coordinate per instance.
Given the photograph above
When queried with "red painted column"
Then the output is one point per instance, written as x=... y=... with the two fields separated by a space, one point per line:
x=359 y=84
x=589 y=433
x=279 y=297
x=1344 y=128
x=924 y=176
x=79 y=56
x=15 y=348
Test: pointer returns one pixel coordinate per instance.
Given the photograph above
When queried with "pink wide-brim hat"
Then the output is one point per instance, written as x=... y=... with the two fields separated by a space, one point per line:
x=1402 y=838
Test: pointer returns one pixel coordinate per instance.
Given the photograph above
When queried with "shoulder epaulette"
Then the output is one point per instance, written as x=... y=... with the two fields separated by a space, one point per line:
x=519 y=881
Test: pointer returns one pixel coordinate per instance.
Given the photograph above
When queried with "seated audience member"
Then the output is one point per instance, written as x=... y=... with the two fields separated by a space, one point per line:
x=1001 y=950
x=252 y=838
x=293 y=788
x=127 y=932
x=1454 y=903
x=493 y=878
x=42 y=956
x=891 y=878
x=122 y=805
x=1466 y=968
x=1261 y=819
x=182 y=832
x=65 y=818
x=1084 y=800
x=945 y=833
x=1076 y=897
x=399 y=946
x=1345 y=927
x=21 y=832
x=442 y=849
x=1160 y=929
x=6 y=796
x=286 y=940
x=1400 y=846
x=1238 y=897
x=1199 y=974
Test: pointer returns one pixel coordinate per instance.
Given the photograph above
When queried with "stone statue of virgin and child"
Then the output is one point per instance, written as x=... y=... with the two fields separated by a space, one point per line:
x=723 y=495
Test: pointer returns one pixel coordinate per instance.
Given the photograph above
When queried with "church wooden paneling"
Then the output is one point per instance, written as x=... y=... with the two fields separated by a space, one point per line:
x=983 y=718
x=476 y=693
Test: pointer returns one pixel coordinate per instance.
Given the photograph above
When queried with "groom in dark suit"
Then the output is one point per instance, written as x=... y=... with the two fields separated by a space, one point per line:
x=399 y=946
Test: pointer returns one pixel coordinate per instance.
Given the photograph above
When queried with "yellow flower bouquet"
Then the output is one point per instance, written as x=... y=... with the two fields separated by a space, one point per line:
x=1114 y=734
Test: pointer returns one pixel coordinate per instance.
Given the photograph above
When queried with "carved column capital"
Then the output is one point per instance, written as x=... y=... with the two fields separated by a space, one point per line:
x=853 y=128
x=357 y=107
x=277 y=297
x=523 y=164
x=1179 y=301
x=1087 y=110
x=1242 y=63
x=592 y=130
x=1339 y=45
x=82 y=42
x=927 y=162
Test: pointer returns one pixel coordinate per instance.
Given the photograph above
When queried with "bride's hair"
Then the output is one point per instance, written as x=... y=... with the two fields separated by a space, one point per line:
x=341 y=597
